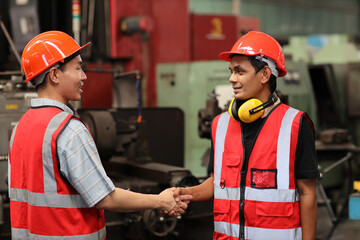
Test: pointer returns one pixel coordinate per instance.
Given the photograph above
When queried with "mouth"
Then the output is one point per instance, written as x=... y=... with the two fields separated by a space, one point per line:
x=237 y=89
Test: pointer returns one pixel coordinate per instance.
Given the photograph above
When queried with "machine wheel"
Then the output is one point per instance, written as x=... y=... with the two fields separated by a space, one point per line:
x=158 y=224
x=103 y=129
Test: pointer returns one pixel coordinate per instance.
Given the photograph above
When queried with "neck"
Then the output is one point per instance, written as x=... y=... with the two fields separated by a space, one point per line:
x=47 y=93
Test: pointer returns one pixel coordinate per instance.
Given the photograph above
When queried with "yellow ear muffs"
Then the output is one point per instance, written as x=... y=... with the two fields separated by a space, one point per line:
x=244 y=110
x=233 y=110
x=243 y=113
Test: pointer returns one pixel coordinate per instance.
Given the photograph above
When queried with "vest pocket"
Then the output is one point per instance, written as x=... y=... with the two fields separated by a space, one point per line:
x=221 y=210
x=275 y=209
x=230 y=174
x=221 y=206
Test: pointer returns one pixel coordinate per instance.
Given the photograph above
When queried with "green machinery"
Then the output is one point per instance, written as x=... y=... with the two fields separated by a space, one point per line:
x=334 y=65
x=187 y=86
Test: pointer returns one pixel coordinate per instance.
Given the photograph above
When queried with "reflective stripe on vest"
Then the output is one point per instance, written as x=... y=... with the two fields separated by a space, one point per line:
x=283 y=149
x=22 y=234
x=10 y=148
x=231 y=229
x=48 y=199
x=264 y=195
x=219 y=148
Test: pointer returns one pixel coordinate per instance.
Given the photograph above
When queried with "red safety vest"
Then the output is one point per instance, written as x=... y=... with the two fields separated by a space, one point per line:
x=42 y=204
x=257 y=198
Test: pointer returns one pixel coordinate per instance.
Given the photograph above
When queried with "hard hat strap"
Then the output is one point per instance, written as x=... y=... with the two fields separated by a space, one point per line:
x=271 y=63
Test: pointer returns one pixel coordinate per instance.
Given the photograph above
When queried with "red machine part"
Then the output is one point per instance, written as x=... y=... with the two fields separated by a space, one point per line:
x=210 y=35
x=164 y=31
x=98 y=87
x=246 y=24
x=213 y=34
x=169 y=40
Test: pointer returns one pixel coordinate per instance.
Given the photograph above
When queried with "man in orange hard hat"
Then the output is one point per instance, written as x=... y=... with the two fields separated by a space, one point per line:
x=58 y=187
x=263 y=161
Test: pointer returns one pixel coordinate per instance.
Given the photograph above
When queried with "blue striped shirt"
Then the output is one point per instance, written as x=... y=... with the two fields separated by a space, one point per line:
x=79 y=159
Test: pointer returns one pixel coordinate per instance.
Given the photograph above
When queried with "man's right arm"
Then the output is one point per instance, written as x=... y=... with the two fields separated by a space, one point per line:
x=80 y=164
x=121 y=200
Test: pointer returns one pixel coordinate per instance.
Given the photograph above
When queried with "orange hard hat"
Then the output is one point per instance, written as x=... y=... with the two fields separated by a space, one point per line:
x=258 y=43
x=45 y=50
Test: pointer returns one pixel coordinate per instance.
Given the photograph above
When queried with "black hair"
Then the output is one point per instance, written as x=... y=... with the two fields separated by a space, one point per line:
x=62 y=68
x=258 y=65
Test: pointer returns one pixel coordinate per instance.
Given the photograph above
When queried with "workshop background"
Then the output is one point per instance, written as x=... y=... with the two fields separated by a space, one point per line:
x=155 y=83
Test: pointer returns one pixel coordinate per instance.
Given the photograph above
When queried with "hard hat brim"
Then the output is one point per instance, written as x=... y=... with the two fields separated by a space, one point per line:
x=226 y=55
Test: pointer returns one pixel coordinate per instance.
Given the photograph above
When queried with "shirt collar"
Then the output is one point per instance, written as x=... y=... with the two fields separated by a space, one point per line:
x=41 y=102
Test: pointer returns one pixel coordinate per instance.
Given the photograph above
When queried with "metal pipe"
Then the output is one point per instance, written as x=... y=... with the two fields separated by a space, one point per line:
x=10 y=73
x=339 y=162
x=90 y=29
x=327 y=203
x=12 y=45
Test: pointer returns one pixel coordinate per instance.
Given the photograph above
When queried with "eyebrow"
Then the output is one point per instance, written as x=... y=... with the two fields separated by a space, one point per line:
x=236 y=67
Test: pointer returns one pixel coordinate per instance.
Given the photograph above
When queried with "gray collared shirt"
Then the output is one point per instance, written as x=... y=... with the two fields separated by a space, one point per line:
x=79 y=159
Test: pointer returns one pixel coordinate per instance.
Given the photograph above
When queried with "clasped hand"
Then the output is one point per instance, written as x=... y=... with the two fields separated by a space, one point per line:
x=179 y=202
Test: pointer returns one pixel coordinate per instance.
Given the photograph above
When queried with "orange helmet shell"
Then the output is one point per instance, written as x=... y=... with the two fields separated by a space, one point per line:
x=258 y=43
x=45 y=50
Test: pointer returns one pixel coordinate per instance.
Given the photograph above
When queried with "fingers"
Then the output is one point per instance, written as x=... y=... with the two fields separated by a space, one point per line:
x=177 y=191
x=185 y=198
x=182 y=205
x=181 y=199
x=171 y=213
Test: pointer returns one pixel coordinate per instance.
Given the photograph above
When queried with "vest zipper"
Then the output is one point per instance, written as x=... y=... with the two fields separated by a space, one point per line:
x=243 y=173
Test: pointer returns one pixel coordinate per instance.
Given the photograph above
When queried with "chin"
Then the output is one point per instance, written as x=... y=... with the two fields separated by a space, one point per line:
x=76 y=99
x=240 y=97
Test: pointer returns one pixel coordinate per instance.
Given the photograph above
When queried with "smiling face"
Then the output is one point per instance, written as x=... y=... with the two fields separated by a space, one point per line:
x=246 y=82
x=71 y=80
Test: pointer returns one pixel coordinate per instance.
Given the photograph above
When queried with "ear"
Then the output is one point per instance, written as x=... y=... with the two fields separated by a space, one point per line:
x=54 y=75
x=266 y=73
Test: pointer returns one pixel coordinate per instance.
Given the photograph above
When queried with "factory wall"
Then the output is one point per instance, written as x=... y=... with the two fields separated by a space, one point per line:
x=283 y=18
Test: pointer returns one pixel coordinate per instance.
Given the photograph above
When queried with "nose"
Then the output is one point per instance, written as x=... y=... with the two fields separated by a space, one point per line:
x=83 y=75
x=232 y=78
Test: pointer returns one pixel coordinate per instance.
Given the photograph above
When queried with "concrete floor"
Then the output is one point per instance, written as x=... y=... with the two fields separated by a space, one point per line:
x=346 y=229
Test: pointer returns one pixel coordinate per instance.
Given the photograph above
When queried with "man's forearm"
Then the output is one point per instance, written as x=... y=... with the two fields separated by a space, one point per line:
x=202 y=192
x=308 y=208
x=121 y=200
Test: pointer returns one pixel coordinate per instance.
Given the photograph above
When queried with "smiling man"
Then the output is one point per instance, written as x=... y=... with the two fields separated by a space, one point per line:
x=58 y=187
x=263 y=159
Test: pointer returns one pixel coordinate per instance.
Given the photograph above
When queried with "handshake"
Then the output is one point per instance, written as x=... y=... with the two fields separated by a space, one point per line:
x=174 y=201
